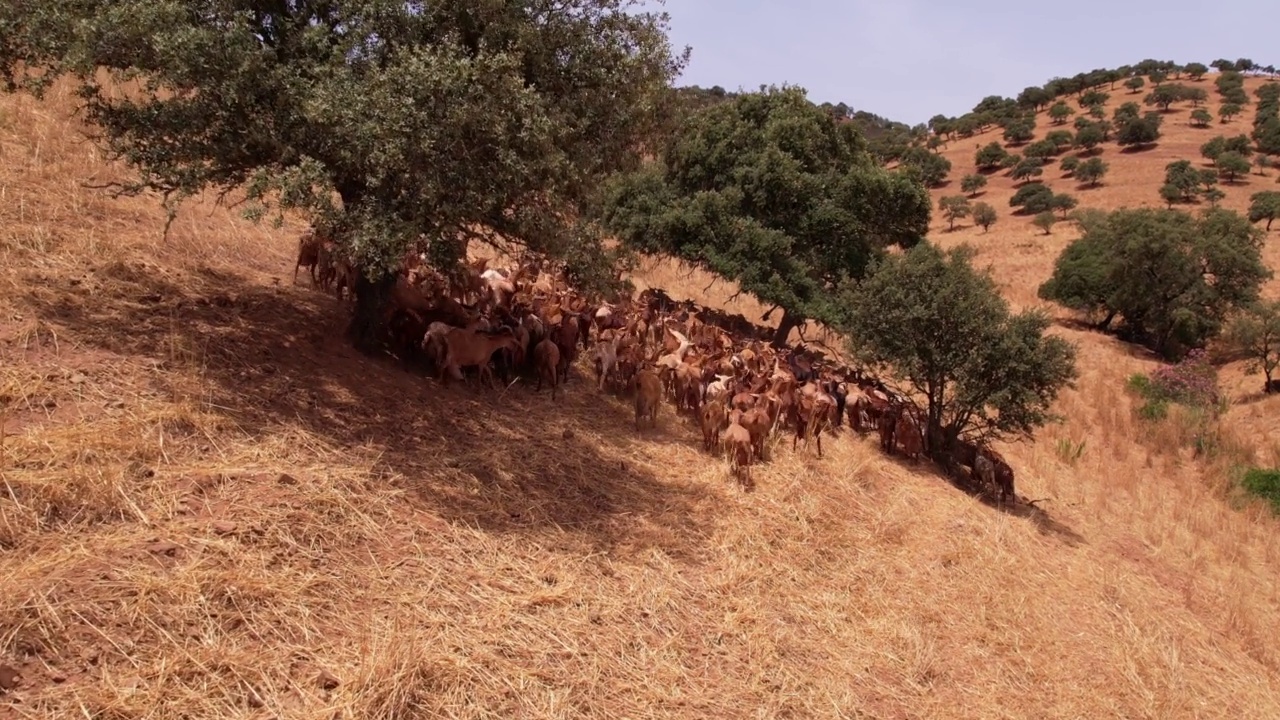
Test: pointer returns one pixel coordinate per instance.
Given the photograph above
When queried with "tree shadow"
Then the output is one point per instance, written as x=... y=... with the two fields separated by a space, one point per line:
x=1138 y=149
x=503 y=461
x=1021 y=507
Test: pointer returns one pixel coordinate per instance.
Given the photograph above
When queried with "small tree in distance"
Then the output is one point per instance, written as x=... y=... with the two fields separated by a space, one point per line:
x=1264 y=205
x=1196 y=71
x=1201 y=118
x=972 y=184
x=954 y=207
x=1069 y=164
x=1135 y=84
x=1232 y=165
x=984 y=215
x=1092 y=171
x=1045 y=221
x=1255 y=331
x=1229 y=111
x=1060 y=112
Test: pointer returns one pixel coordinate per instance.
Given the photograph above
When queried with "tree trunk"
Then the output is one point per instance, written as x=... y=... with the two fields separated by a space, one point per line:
x=368 y=322
x=790 y=321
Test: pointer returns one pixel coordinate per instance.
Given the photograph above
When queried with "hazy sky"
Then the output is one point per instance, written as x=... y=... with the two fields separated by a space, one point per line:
x=911 y=59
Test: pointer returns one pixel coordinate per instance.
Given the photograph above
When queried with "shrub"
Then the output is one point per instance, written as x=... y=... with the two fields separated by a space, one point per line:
x=1192 y=381
x=1264 y=483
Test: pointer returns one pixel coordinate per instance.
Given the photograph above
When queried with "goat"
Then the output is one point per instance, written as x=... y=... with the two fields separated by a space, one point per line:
x=648 y=396
x=546 y=356
x=713 y=421
x=736 y=441
x=466 y=348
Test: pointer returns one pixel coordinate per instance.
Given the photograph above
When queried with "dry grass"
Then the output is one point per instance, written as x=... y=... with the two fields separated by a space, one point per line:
x=209 y=502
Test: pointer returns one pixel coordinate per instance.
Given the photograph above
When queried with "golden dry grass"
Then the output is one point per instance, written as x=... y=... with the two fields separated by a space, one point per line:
x=208 y=502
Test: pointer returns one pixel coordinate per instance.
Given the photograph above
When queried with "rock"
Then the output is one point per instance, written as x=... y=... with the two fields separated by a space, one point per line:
x=224 y=527
x=164 y=548
x=567 y=434
x=58 y=677
x=78 y=378
x=328 y=680
x=9 y=678
x=287 y=479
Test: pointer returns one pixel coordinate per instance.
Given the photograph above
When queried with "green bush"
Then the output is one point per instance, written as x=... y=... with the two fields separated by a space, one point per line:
x=1264 y=483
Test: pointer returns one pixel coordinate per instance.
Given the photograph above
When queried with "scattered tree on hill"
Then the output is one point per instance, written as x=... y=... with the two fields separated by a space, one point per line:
x=798 y=207
x=1201 y=118
x=1214 y=148
x=1267 y=135
x=1255 y=331
x=984 y=215
x=1090 y=137
x=973 y=184
x=1173 y=278
x=990 y=156
x=1171 y=194
x=1135 y=84
x=1020 y=130
x=1197 y=96
x=1232 y=165
x=1092 y=171
x=1214 y=196
x=1040 y=150
x=927 y=167
x=1034 y=98
x=1061 y=140
x=1127 y=111
x=1069 y=164
x=954 y=207
x=1033 y=198
x=1028 y=170
x=1064 y=203
x=1182 y=181
x=1261 y=163
x=1060 y=112
x=1094 y=97
x=930 y=318
x=1164 y=96
x=1140 y=132
x=386 y=106
x=1158 y=76
x=1097 y=112
x=1196 y=71
x=1045 y=221
x=1264 y=205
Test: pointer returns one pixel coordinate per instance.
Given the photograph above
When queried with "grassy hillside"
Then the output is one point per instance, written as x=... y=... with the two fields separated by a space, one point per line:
x=211 y=508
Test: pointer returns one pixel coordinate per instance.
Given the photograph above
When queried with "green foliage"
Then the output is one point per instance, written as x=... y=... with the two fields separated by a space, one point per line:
x=1201 y=118
x=1138 y=132
x=1061 y=140
x=1020 y=130
x=1182 y=181
x=973 y=184
x=770 y=191
x=1164 y=96
x=1034 y=98
x=1045 y=221
x=1267 y=135
x=1090 y=136
x=930 y=318
x=926 y=167
x=1094 y=97
x=1255 y=332
x=1069 y=164
x=1033 y=198
x=1135 y=84
x=1172 y=277
x=424 y=124
x=1195 y=70
x=1158 y=76
x=1228 y=111
x=984 y=215
x=1027 y=170
x=1126 y=112
x=990 y=156
x=1231 y=165
x=1264 y=483
x=1069 y=451
x=1264 y=205
x=954 y=207
x=1063 y=203
x=1092 y=171
x=1060 y=112
x=1214 y=196
x=1196 y=96
x=1040 y=150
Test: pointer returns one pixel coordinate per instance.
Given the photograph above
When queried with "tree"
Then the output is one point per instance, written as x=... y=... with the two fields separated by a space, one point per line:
x=940 y=326
x=1094 y=97
x=1256 y=332
x=954 y=207
x=1214 y=196
x=1267 y=135
x=1201 y=118
x=990 y=156
x=1158 y=76
x=984 y=215
x=391 y=125
x=1231 y=165
x=1028 y=170
x=1196 y=71
x=1262 y=162
x=1127 y=111
x=797 y=207
x=1034 y=98
x=1040 y=150
x=1213 y=148
x=1181 y=182
x=1135 y=84
x=1061 y=140
x=1139 y=132
x=1264 y=205
x=1092 y=171
x=927 y=167
x=1033 y=198
x=1064 y=203
x=973 y=184
x=1090 y=137
x=1172 y=277
x=1020 y=130
x=1060 y=112
x=1228 y=111
x=1069 y=164
x=1164 y=96
x=1045 y=221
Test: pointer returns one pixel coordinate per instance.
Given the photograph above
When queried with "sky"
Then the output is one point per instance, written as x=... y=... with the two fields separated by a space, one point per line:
x=909 y=60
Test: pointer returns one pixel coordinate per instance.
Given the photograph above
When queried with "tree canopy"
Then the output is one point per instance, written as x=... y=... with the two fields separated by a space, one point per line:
x=1172 y=277
x=398 y=124
x=771 y=192
x=930 y=318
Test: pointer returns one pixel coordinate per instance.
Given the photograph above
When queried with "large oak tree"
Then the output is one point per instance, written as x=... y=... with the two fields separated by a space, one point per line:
x=772 y=192
x=397 y=123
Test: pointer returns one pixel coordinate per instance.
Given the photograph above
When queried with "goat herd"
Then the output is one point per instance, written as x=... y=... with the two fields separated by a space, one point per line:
x=711 y=366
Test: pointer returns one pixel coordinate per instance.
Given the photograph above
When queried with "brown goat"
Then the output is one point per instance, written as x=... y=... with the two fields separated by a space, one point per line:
x=546 y=356
x=713 y=421
x=648 y=396
x=737 y=447
x=308 y=253
x=466 y=348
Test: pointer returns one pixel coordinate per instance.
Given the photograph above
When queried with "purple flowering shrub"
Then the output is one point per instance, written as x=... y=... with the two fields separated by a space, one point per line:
x=1193 y=381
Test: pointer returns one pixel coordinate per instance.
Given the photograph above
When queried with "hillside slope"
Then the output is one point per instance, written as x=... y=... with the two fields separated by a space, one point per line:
x=213 y=509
